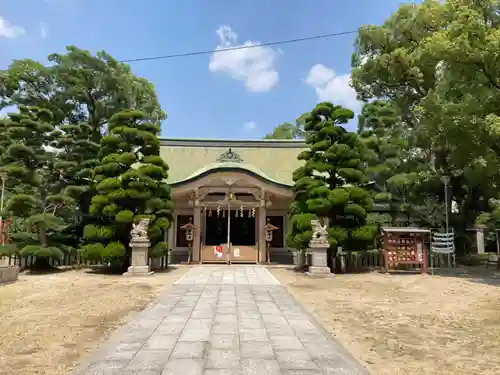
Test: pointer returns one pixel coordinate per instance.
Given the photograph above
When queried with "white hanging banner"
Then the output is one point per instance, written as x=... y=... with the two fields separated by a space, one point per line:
x=420 y=252
x=237 y=252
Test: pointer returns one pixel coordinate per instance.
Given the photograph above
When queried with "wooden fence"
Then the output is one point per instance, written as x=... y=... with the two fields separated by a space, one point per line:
x=67 y=260
x=74 y=260
x=354 y=261
x=373 y=259
x=363 y=260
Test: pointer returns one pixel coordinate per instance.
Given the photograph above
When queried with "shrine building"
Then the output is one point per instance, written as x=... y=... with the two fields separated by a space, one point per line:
x=229 y=190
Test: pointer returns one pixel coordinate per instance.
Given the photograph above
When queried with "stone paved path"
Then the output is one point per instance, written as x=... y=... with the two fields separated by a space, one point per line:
x=223 y=320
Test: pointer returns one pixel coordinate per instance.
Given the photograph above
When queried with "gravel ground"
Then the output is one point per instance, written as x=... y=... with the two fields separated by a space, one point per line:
x=408 y=324
x=50 y=322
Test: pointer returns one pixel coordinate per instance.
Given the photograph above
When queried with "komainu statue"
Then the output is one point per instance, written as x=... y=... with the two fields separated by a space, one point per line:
x=320 y=235
x=139 y=231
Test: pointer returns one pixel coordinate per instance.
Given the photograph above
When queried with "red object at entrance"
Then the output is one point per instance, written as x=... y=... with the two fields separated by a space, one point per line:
x=218 y=251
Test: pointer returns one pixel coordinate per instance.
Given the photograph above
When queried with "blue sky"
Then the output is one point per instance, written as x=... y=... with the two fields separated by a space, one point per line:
x=240 y=94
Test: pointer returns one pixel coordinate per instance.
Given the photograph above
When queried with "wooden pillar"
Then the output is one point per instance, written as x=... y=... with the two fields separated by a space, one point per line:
x=172 y=232
x=197 y=232
x=261 y=222
x=386 y=250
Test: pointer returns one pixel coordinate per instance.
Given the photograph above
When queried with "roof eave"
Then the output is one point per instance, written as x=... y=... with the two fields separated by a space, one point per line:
x=230 y=167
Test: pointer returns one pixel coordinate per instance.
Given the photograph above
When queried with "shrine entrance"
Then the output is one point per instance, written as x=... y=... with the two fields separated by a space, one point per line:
x=242 y=230
x=229 y=228
x=229 y=205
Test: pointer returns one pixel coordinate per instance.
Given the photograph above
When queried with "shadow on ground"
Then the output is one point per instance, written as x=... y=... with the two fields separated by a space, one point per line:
x=100 y=270
x=48 y=271
x=91 y=270
x=479 y=274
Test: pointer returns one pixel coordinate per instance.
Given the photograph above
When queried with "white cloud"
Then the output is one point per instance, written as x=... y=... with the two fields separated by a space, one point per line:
x=44 y=30
x=255 y=66
x=10 y=31
x=249 y=125
x=333 y=88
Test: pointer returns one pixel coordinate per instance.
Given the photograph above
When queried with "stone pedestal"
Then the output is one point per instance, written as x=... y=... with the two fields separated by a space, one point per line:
x=319 y=266
x=296 y=259
x=156 y=264
x=139 y=262
x=318 y=247
x=299 y=260
x=8 y=274
x=480 y=239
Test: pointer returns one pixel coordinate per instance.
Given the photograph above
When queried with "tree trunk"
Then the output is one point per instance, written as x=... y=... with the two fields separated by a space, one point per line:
x=42 y=236
x=42 y=263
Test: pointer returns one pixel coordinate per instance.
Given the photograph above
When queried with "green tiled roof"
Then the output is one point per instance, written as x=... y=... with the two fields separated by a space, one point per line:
x=230 y=166
x=274 y=160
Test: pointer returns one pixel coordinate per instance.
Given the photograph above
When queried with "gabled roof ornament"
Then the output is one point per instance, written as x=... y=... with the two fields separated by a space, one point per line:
x=229 y=156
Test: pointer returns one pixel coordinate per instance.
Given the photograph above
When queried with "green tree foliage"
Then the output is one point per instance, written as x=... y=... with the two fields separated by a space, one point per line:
x=75 y=158
x=29 y=83
x=379 y=129
x=130 y=185
x=394 y=167
x=436 y=62
x=328 y=185
x=100 y=86
x=27 y=167
x=288 y=130
x=82 y=91
x=79 y=87
x=284 y=131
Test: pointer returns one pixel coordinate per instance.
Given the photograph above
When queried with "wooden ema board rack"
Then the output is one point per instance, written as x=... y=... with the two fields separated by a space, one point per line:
x=239 y=254
x=404 y=248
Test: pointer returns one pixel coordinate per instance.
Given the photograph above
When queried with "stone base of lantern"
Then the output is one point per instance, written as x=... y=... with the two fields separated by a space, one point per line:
x=319 y=272
x=319 y=266
x=139 y=262
x=139 y=271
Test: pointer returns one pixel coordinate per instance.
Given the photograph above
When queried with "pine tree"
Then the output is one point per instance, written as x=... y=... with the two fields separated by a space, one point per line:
x=379 y=128
x=400 y=172
x=82 y=90
x=28 y=169
x=131 y=185
x=75 y=159
x=328 y=185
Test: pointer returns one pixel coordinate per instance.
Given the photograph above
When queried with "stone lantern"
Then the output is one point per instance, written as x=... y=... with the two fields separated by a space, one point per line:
x=189 y=233
x=139 y=243
x=269 y=229
x=318 y=247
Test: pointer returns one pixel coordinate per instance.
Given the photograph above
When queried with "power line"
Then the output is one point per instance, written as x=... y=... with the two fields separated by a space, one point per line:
x=287 y=41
